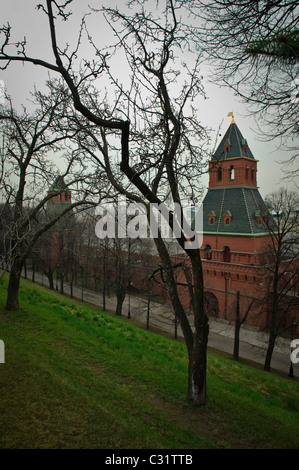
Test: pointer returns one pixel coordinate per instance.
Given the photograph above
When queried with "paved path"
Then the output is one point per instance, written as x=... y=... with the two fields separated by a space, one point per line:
x=253 y=343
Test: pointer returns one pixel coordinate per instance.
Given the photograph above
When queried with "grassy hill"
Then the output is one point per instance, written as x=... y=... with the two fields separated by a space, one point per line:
x=75 y=377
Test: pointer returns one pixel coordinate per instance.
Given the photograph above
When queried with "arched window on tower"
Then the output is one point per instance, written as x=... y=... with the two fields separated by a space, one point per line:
x=252 y=173
x=227 y=146
x=226 y=254
x=227 y=218
x=219 y=173
x=247 y=172
x=212 y=218
x=231 y=172
x=207 y=252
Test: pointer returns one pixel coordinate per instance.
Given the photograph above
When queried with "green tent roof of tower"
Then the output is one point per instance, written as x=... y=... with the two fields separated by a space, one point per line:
x=243 y=203
x=237 y=145
x=59 y=184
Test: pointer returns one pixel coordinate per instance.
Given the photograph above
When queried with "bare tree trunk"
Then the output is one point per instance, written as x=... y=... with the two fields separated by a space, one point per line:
x=49 y=275
x=61 y=282
x=33 y=271
x=104 y=294
x=270 y=349
x=12 y=301
x=25 y=269
x=273 y=325
x=198 y=392
x=271 y=342
x=120 y=296
x=196 y=342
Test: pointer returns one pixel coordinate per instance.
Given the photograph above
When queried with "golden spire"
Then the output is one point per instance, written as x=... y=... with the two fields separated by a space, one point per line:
x=232 y=116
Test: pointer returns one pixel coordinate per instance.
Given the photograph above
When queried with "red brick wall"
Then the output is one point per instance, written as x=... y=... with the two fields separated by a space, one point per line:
x=244 y=172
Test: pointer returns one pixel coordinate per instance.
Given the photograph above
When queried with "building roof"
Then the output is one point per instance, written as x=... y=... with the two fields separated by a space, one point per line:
x=244 y=205
x=232 y=145
x=55 y=208
x=59 y=185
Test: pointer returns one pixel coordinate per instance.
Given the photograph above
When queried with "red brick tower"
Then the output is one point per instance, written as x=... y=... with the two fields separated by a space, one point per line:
x=61 y=199
x=234 y=235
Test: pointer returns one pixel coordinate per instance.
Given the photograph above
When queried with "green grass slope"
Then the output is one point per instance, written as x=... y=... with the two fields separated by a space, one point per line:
x=75 y=377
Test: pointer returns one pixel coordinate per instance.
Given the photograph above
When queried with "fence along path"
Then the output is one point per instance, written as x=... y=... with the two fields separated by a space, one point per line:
x=160 y=318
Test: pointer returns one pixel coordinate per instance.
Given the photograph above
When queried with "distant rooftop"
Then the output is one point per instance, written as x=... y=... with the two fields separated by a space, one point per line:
x=59 y=184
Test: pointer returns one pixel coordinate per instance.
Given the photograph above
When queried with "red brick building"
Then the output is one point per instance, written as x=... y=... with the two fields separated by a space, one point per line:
x=234 y=233
x=58 y=234
x=234 y=238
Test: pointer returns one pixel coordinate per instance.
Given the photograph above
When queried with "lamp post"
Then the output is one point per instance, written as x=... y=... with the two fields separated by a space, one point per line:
x=57 y=275
x=129 y=300
x=149 y=295
x=291 y=371
x=129 y=277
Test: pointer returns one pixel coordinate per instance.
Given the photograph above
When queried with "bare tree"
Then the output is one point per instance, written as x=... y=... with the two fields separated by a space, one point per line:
x=5 y=223
x=240 y=320
x=44 y=258
x=281 y=266
x=28 y=139
x=254 y=49
x=159 y=132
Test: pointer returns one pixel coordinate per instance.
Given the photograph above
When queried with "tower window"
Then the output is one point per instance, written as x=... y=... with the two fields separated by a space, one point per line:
x=227 y=146
x=212 y=218
x=261 y=217
x=231 y=172
x=252 y=173
x=219 y=172
x=226 y=254
x=247 y=172
x=227 y=218
x=208 y=252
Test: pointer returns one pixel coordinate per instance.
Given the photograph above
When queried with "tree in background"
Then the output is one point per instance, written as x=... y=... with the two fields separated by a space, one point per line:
x=254 y=49
x=281 y=265
x=28 y=139
x=242 y=313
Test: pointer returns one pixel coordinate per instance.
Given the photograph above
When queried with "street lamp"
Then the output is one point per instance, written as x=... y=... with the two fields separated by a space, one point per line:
x=129 y=303
x=57 y=275
x=149 y=295
x=129 y=278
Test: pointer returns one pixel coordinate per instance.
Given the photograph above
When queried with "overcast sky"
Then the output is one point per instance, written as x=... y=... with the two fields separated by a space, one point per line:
x=20 y=79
